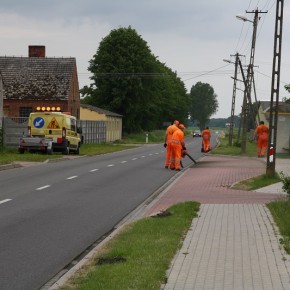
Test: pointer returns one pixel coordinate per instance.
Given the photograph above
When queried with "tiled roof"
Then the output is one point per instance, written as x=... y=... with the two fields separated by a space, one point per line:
x=100 y=111
x=282 y=106
x=36 y=77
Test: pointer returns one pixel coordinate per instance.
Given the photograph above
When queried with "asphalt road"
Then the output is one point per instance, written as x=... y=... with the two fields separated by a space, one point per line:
x=50 y=213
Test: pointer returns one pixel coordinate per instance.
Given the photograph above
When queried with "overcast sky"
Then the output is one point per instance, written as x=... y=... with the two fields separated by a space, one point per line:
x=191 y=37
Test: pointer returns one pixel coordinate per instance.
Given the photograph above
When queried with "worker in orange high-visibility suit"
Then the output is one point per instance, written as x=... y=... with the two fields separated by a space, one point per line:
x=178 y=145
x=206 y=139
x=167 y=142
x=262 y=135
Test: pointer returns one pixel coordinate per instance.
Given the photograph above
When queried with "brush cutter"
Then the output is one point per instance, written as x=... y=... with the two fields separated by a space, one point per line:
x=185 y=153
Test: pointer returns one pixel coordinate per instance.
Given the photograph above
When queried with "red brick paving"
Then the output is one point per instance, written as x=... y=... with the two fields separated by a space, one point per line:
x=210 y=180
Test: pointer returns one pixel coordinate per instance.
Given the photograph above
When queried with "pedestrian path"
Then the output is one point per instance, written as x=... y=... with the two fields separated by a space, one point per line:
x=234 y=243
x=231 y=246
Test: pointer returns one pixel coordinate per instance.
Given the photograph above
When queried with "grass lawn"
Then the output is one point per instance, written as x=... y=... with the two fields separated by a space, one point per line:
x=10 y=155
x=280 y=211
x=139 y=256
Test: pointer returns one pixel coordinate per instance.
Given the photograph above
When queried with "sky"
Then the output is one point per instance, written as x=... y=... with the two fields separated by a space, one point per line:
x=195 y=39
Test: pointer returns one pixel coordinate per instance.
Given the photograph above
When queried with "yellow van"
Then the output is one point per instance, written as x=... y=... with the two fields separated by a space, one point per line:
x=51 y=132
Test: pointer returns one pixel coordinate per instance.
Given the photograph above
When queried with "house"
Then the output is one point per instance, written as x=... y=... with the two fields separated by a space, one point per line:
x=112 y=121
x=36 y=80
x=283 y=123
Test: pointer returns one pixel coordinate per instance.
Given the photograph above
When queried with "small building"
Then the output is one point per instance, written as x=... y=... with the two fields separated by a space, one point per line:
x=113 y=121
x=36 y=80
x=283 y=123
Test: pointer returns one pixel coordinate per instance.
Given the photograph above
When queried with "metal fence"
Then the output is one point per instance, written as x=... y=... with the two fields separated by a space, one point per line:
x=93 y=132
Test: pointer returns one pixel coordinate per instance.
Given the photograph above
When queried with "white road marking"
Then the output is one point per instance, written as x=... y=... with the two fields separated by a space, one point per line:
x=93 y=170
x=5 y=200
x=123 y=161
x=134 y=159
x=42 y=187
x=143 y=156
x=72 y=177
x=110 y=165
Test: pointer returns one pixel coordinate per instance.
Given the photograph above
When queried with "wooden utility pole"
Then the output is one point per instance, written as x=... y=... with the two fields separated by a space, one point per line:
x=273 y=118
x=231 y=131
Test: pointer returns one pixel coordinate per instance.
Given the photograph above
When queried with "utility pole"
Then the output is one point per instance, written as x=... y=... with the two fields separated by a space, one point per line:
x=231 y=130
x=247 y=102
x=273 y=118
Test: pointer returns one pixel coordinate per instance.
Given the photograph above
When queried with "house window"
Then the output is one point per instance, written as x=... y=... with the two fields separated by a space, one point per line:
x=25 y=111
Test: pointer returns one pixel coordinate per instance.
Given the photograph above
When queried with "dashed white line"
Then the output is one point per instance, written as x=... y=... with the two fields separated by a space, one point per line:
x=42 y=187
x=5 y=200
x=93 y=170
x=110 y=165
x=72 y=177
x=143 y=156
x=123 y=161
x=134 y=158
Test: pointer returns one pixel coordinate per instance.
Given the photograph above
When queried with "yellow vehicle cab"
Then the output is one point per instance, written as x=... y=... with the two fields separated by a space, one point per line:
x=50 y=130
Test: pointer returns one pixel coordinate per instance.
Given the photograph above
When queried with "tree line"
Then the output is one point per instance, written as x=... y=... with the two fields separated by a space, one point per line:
x=128 y=79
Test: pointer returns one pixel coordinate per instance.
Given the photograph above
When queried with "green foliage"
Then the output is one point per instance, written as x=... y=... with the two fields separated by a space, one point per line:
x=129 y=80
x=142 y=252
x=203 y=103
x=286 y=183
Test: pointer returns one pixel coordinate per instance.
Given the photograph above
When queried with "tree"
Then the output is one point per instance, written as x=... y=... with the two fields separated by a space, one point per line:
x=203 y=103
x=129 y=80
x=287 y=88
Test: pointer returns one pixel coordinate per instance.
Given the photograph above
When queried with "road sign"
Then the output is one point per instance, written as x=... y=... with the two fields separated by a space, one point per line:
x=38 y=122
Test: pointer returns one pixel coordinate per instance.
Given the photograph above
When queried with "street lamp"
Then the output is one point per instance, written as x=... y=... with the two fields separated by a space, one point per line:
x=243 y=18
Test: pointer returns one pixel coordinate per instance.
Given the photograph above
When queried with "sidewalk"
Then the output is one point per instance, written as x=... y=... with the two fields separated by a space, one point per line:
x=234 y=243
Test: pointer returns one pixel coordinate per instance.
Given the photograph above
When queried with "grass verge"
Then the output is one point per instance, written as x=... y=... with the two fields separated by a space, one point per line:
x=280 y=211
x=11 y=155
x=140 y=255
x=257 y=182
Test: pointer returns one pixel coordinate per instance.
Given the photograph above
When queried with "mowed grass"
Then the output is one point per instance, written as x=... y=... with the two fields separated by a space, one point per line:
x=139 y=256
x=280 y=211
x=11 y=155
x=257 y=182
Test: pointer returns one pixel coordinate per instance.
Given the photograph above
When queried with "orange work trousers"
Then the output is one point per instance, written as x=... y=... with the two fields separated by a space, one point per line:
x=206 y=144
x=262 y=144
x=168 y=153
x=175 y=156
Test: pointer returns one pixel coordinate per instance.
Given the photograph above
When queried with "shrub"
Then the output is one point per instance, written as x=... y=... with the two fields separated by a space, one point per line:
x=286 y=183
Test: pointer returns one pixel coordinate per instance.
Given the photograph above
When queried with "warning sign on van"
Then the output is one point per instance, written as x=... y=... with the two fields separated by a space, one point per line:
x=53 y=124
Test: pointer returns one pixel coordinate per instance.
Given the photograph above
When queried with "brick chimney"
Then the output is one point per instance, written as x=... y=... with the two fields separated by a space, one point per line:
x=36 y=51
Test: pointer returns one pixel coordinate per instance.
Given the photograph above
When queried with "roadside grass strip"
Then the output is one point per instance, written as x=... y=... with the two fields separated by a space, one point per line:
x=280 y=211
x=140 y=255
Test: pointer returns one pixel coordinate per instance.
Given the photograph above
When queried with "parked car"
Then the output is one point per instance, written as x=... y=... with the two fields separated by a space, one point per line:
x=196 y=133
